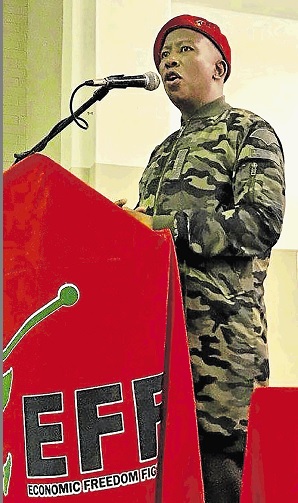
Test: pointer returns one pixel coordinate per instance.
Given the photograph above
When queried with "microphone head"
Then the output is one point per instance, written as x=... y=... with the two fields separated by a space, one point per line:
x=153 y=81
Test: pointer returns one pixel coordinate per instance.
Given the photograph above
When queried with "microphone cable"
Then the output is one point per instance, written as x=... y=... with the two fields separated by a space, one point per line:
x=82 y=123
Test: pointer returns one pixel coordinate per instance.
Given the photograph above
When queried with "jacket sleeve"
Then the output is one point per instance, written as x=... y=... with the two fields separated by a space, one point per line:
x=253 y=222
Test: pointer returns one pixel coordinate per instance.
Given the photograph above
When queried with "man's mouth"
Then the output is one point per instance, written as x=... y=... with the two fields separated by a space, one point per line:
x=172 y=77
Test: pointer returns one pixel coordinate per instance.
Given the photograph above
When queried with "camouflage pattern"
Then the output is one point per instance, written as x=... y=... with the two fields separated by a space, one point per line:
x=218 y=183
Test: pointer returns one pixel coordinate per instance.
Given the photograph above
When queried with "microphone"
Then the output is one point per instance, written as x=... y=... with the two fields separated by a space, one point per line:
x=149 y=81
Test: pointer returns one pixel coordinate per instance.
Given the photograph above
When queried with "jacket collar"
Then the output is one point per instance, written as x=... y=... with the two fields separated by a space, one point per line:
x=211 y=109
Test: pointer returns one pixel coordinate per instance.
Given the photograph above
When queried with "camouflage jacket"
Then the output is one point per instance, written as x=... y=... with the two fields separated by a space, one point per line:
x=218 y=184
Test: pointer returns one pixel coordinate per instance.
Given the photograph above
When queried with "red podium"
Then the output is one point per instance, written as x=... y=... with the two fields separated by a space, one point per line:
x=271 y=463
x=98 y=399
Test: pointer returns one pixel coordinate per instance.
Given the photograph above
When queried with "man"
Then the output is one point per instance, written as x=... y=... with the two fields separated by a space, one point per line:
x=218 y=184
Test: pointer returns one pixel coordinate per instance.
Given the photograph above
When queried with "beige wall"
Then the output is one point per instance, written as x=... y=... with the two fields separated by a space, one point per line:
x=15 y=27
x=44 y=72
x=33 y=73
x=281 y=295
x=32 y=42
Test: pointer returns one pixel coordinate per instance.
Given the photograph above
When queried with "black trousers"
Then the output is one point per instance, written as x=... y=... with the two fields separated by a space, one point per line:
x=222 y=470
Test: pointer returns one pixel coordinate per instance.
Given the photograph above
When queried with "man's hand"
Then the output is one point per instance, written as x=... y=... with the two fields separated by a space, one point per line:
x=141 y=216
x=121 y=202
x=139 y=213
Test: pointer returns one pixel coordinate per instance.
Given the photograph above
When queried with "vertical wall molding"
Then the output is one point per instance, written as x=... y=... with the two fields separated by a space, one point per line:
x=78 y=65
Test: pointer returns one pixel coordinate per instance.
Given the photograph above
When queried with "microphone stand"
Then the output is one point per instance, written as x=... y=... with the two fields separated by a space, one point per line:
x=98 y=95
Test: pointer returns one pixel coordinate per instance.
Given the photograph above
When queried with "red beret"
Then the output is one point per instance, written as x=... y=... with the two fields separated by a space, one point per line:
x=210 y=30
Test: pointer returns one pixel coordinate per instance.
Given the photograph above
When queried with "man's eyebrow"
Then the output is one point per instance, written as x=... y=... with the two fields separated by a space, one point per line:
x=179 y=42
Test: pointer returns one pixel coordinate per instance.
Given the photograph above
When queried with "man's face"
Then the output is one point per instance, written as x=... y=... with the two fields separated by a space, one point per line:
x=187 y=67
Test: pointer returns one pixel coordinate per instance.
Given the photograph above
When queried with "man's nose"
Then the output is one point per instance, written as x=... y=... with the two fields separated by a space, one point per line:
x=171 y=61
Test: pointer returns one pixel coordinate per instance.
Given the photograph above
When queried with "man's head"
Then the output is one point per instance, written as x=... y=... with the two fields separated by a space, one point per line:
x=194 y=59
x=201 y=25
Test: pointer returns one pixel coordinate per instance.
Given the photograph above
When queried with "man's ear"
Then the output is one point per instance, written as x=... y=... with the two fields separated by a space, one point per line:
x=220 y=69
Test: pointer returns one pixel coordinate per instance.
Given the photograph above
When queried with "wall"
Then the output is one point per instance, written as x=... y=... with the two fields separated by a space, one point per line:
x=15 y=27
x=32 y=47
x=44 y=73
x=281 y=296
x=116 y=38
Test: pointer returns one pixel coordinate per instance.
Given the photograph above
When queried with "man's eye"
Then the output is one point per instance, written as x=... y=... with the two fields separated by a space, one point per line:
x=186 y=48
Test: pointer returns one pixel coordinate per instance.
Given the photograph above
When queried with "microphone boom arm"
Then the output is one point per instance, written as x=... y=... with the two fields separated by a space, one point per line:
x=98 y=95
